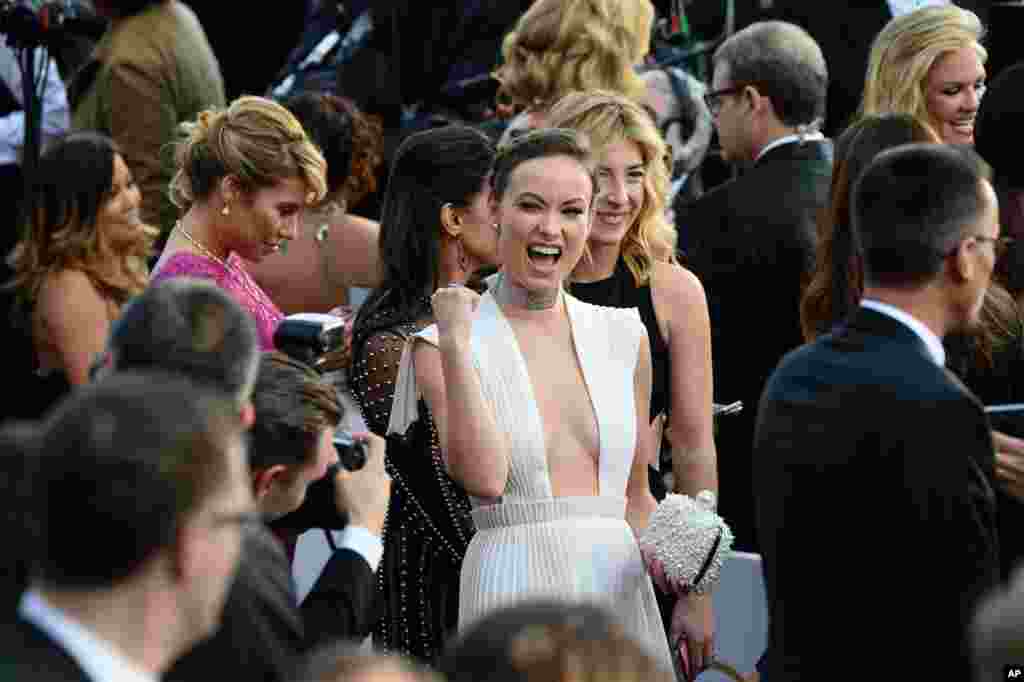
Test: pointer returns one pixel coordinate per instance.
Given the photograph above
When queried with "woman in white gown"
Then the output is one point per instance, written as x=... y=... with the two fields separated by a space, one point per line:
x=541 y=405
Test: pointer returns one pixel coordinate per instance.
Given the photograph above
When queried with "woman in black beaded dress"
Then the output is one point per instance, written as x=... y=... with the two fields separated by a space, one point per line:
x=630 y=263
x=436 y=228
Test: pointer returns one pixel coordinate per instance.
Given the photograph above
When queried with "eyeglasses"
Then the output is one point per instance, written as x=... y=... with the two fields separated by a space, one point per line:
x=999 y=244
x=714 y=98
x=242 y=518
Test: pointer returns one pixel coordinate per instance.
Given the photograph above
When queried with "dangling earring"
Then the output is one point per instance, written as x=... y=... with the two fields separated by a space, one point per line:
x=497 y=228
x=463 y=262
x=226 y=210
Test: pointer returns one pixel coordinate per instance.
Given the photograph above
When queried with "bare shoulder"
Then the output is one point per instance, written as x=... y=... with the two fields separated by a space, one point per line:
x=68 y=287
x=673 y=282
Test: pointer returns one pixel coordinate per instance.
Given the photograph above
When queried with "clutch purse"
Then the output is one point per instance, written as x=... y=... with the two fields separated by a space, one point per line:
x=686 y=543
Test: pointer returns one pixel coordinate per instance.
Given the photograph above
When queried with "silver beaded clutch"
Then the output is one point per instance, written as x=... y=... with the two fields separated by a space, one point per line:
x=686 y=543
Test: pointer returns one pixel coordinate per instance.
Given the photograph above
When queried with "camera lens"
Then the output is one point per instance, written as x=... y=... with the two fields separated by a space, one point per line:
x=351 y=452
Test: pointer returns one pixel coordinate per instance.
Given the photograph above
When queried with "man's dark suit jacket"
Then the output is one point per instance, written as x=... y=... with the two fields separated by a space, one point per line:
x=875 y=511
x=28 y=654
x=751 y=242
x=263 y=630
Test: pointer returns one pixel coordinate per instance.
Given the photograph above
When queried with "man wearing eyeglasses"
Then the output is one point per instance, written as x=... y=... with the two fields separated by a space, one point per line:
x=872 y=462
x=751 y=240
x=142 y=490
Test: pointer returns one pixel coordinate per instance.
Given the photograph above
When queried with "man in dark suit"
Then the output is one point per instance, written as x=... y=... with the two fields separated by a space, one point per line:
x=751 y=240
x=265 y=631
x=142 y=486
x=872 y=463
x=194 y=328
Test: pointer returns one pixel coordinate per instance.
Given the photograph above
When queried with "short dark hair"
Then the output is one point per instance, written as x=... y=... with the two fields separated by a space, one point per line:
x=539 y=144
x=909 y=208
x=122 y=462
x=192 y=327
x=293 y=404
x=784 y=63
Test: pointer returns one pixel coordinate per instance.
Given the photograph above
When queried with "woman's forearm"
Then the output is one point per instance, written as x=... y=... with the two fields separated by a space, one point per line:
x=476 y=451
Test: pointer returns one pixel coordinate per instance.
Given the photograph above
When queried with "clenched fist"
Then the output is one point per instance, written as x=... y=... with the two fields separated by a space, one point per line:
x=454 y=310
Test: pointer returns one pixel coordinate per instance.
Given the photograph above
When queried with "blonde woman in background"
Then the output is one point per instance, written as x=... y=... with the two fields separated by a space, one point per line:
x=245 y=175
x=630 y=263
x=930 y=64
x=559 y=46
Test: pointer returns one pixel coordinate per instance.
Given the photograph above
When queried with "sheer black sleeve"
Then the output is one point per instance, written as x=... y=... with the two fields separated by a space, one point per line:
x=373 y=373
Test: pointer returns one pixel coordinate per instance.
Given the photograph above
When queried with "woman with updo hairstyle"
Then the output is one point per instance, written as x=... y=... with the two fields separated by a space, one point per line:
x=334 y=250
x=83 y=255
x=630 y=263
x=436 y=229
x=245 y=176
x=559 y=46
x=929 y=63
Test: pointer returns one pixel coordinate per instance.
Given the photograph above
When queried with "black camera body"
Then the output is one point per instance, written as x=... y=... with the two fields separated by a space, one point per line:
x=351 y=452
x=307 y=337
x=27 y=27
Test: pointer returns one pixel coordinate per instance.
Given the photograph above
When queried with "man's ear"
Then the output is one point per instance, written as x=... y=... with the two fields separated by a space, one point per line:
x=264 y=479
x=963 y=268
x=758 y=102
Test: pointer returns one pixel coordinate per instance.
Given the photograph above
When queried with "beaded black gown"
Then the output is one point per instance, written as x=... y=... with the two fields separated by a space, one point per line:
x=428 y=525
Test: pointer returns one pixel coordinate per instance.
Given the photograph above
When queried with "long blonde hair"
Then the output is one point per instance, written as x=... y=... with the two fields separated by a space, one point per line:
x=607 y=118
x=254 y=139
x=62 y=230
x=559 y=46
x=905 y=50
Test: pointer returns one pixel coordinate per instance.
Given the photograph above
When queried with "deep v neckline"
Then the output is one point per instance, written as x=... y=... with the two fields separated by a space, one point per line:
x=588 y=384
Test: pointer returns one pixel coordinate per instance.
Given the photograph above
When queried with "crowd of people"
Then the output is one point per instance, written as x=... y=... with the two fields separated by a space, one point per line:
x=538 y=268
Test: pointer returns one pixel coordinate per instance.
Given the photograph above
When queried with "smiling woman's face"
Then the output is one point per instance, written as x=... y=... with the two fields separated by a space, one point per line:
x=620 y=195
x=545 y=219
x=953 y=90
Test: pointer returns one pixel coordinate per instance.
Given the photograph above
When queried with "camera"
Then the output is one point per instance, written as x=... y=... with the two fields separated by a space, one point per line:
x=351 y=452
x=308 y=337
x=27 y=26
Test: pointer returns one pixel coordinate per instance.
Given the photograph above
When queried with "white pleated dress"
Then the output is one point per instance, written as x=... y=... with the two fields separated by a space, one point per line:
x=532 y=544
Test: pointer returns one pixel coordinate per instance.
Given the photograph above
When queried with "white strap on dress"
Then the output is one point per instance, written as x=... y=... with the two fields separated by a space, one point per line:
x=405 y=405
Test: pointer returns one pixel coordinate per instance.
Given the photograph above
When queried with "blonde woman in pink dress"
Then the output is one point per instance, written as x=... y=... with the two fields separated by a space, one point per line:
x=246 y=175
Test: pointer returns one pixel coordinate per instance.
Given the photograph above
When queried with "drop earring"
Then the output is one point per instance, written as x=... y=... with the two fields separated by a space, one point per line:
x=497 y=229
x=463 y=262
x=226 y=210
